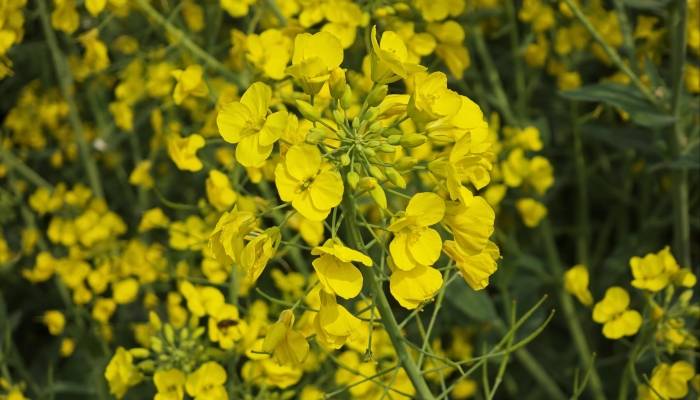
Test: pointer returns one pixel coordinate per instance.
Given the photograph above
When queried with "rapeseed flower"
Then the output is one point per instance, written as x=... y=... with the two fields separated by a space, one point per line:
x=612 y=311
x=415 y=243
x=576 y=283
x=335 y=271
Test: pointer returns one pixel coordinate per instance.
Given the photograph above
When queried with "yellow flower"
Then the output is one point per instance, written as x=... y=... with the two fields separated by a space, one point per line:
x=259 y=251
x=692 y=78
x=287 y=345
x=248 y=124
x=671 y=381
x=67 y=347
x=189 y=83
x=141 y=175
x=153 y=218
x=237 y=8
x=655 y=271
x=390 y=58
x=612 y=312
x=65 y=16
x=333 y=324
x=225 y=327
x=226 y=241
x=170 y=384
x=315 y=56
x=121 y=374
x=576 y=283
x=207 y=382
x=531 y=210
x=471 y=224
x=96 y=58
x=313 y=186
x=125 y=291
x=437 y=10
x=475 y=269
x=103 y=309
x=431 y=99
x=269 y=52
x=55 y=321
x=450 y=47
x=95 y=7
x=202 y=300
x=335 y=270
x=183 y=151
x=219 y=191
x=414 y=287
x=415 y=243
x=310 y=231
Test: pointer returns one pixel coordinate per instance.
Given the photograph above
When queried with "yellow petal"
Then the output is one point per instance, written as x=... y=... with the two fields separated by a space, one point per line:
x=338 y=277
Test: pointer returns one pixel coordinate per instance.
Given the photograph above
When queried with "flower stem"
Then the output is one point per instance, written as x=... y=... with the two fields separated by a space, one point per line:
x=392 y=328
x=65 y=80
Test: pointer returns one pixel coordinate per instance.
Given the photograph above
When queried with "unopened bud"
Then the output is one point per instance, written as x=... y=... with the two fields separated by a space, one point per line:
x=376 y=172
x=392 y=131
x=394 y=139
x=308 y=111
x=338 y=116
x=405 y=163
x=169 y=333
x=346 y=100
x=386 y=148
x=139 y=352
x=412 y=140
x=156 y=344
x=315 y=135
x=378 y=196
x=147 y=366
x=353 y=179
x=377 y=95
x=336 y=83
x=345 y=160
x=367 y=183
x=395 y=177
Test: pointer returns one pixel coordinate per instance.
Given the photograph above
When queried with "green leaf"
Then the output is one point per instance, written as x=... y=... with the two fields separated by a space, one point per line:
x=475 y=304
x=626 y=98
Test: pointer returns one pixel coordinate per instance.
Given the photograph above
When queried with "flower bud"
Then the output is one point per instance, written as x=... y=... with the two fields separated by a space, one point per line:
x=367 y=183
x=147 y=366
x=378 y=196
x=169 y=333
x=338 y=117
x=405 y=163
x=395 y=177
x=346 y=100
x=139 y=352
x=315 y=135
x=377 y=95
x=412 y=140
x=156 y=344
x=345 y=160
x=336 y=83
x=353 y=179
x=308 y=111
x=376 y=172
x=394 y=139
x=386 y=148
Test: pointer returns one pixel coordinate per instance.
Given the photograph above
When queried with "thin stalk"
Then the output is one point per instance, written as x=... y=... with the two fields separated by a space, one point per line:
x=613 y=54
x=392 y=328
x=187 y=43
x=582 y=214
x=626 y=28
x=678 y=22
x=514 y=36
x=570 y=314
x=65 y=80
x=23 y=169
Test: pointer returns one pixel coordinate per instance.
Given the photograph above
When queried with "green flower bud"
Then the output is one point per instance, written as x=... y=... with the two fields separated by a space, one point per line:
x=405 y=163
x=376 y=172
x=353 y=179
x=315 y=135
x=394 y=139
x=308 y=111
x=386 y=148
x=169 y=333
x=339 y=117
x=156 y=344
x=377 y=95
x=345 y=160
x=139 y=352
x=412 y=140
x=395 y=177
x=378 y=196
x=336 y=83
x=346 y=100
x=147 y=366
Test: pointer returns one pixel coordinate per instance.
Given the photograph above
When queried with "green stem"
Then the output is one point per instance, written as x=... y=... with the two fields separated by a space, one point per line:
x=389 y=320
x=570 y=314
x=613 y=55
x=626 y=28
x=520 y=86
x=678 y=25
x=65 y=80
x=582 y=215
x=23 y=169
x=187 y=43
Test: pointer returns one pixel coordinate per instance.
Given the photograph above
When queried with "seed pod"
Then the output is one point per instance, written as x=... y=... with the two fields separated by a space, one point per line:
x=412 y=140
x=377 y=95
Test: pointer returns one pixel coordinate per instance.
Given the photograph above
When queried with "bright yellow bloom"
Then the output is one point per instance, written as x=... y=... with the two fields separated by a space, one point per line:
x=65 y=16
x=415 y=243
x=471 y=224
x=225 y=327
x=121 y=374
x=170 y=384
x=259 y=251
x=202 y=300
x=315 y=56
x=219 y=191
x=183 y=151
x=475 y=269
x=125 y=291
x=287 y=345
x=67 y=347
x=333 y=324
x=269 y=52
x=95 y=7
x=55 y=321
x=310 y=231
x=153 y=218
x=531 y=210
x=207 y=382
x=654 y=271
x=141 y=175
x=103 y=309
x=431 y=99
x=390 y=58
x=96 y=57
x=189 y=83
x=237 y=8
x=437 y=10
x=612 y=312
x=311 y=185
x=576 y=283
x=671 y=381
x=450 y=48
x=226 y=241
x=412 y=288
x=248 y=124
x=335 y=271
